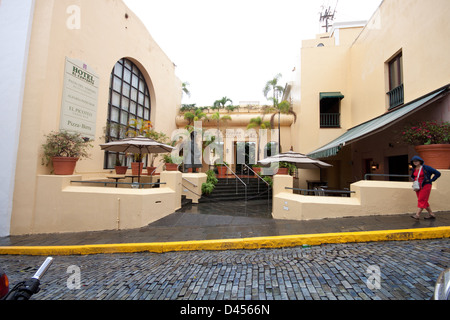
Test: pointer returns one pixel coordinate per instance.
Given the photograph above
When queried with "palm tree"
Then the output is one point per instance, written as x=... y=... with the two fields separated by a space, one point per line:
x=217 y=117
x=196 y=115
x=222 y=102
x=258 y=123
x=282 y=107
x=272 y=85
x=185 y=89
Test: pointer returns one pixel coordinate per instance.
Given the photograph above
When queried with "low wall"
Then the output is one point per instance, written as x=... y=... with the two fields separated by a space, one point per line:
x=370 y=198
x=62 y=206
x=192 y=185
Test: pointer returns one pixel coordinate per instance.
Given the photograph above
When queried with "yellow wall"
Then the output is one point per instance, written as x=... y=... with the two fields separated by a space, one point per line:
x=104 y=37
x=370 y=198
x=62 y=206
x=357 y=66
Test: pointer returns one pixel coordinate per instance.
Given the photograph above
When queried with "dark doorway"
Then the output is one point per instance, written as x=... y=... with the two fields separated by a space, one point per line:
x=398 y=165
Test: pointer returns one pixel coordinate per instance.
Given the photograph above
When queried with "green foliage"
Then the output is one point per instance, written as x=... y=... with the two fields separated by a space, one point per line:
x=288 y=165
x=222 y=102
x=269 y=180
x=259 y=123
x=64 y=144
x=207 y=187
x=210 y=183
x=427 y=132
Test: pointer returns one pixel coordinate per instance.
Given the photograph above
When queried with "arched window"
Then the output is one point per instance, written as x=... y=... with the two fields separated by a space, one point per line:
x=129 y=98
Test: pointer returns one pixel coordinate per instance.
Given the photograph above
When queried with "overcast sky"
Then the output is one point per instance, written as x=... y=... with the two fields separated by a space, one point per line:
x=232 y=48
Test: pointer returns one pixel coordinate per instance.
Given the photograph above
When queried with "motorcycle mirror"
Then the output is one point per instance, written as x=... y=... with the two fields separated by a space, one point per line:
x=4 y=284
x=442 y=288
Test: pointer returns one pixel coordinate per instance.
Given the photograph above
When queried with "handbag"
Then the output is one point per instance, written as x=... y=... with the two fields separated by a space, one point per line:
x=416 y=184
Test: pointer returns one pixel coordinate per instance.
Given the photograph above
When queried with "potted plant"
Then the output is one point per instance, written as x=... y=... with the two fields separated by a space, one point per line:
x=431 y=140
x=158 y=137
x=63 y=149
x=222 y=169
x=137 y=165
x=257 y=169
x=170 y=162
x=286 y=168
x=120 y=169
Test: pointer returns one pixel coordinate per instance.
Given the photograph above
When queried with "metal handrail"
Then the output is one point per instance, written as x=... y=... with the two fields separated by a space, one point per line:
x=156 y=168
x=191 y=190
x=245 y=186
x=385 y=175
x=322 y=190
x=259 y=177
x=116 y=183
x=190 y=182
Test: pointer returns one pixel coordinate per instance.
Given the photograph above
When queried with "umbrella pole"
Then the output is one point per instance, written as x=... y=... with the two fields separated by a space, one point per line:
x=139 y=171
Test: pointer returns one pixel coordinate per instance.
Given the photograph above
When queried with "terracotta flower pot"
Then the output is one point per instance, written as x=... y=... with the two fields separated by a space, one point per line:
x=283 y=171
x=435 y=155
x=171 y=167
x=136 y=168
x=150 y=170
x=257 y=170
x=64 y=165
x=121 y=169
x=222 y=170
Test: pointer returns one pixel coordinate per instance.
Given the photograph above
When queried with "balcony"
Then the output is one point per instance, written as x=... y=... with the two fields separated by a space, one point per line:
x=396 y=97
x=330 y=120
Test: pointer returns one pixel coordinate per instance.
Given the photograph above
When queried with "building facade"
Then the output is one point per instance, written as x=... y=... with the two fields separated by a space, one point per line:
x=361 y=71
x=76 y=65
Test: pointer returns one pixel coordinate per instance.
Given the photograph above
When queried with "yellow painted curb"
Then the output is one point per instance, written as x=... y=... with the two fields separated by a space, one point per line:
x=233 y=244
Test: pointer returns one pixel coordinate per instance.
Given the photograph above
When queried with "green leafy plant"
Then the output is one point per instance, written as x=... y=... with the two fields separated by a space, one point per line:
x=269 y=180
x=207 y=187
x=211 y=177
x=65 y=144
x=427 y=132
x=210 y=184
x=291 y=167
x=169 y=158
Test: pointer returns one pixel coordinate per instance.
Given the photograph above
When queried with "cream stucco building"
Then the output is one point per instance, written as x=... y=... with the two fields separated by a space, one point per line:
x=41 y=41
x=361 y=71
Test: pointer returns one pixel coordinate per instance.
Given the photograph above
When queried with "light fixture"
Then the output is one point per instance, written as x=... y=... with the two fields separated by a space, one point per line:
x=374 y=166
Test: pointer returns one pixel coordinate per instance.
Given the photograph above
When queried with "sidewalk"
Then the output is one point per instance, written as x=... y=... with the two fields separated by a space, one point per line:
x=189 y=228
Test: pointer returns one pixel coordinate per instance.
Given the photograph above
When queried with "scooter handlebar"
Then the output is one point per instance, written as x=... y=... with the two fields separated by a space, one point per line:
x=43 y=268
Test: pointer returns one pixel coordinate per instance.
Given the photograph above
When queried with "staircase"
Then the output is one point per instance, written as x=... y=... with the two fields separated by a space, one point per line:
x=232 y=189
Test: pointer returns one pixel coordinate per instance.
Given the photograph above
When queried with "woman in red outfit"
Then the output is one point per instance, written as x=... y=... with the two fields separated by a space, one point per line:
x=425 y=181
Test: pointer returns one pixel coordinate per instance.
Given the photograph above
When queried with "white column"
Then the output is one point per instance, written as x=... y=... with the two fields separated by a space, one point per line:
x=16 y=17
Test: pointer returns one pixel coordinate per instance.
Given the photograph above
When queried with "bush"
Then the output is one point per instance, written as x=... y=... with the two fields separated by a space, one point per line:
x=207 y=187
x=65 y=144
x=427 y=132
x=269 y=180
x=211 y=177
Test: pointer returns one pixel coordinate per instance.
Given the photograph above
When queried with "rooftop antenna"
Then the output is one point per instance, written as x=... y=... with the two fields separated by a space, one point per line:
x=327 y=15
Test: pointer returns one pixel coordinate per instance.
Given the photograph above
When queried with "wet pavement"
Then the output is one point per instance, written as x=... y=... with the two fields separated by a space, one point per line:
x=406 y=270
x=226 y=220
x=392 y=270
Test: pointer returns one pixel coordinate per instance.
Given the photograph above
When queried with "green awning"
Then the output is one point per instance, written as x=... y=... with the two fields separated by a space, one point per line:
x=329 y=95
x=375 y=125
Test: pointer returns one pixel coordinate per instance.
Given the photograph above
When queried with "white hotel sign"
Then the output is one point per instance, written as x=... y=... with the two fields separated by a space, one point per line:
x=79 y=100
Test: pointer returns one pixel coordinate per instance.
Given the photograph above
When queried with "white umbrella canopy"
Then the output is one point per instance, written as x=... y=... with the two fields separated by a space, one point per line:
x=137 y=144
x=300 y=160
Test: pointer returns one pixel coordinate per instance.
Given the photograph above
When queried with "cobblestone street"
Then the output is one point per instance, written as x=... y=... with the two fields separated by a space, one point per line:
x=408 y=270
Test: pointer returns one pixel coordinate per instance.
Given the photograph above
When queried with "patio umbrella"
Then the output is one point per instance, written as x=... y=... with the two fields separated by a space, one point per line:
x=139 y=144
x=300 y=160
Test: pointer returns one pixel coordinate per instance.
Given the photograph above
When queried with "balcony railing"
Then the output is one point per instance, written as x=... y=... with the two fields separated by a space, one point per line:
x=396 y=97
x=330 y=120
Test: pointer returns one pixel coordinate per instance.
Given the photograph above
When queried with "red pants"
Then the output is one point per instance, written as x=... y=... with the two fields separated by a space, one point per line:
x=422 y=196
